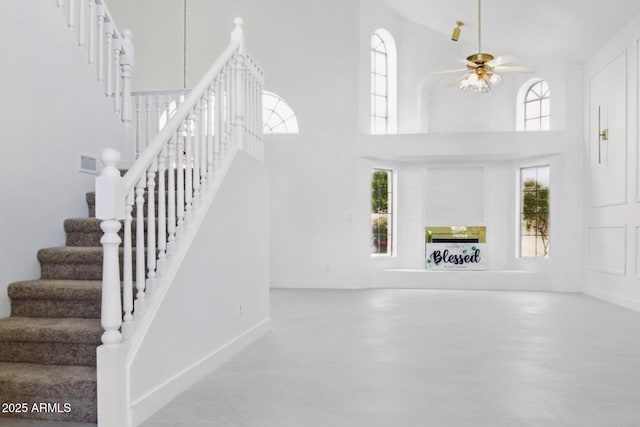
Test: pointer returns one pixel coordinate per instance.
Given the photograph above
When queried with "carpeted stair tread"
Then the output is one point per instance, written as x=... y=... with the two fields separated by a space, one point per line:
x=56 y=381
x=68 y=290
x=50 y=330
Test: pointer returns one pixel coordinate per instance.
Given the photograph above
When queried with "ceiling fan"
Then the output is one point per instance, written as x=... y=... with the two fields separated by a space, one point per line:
x=483 y=68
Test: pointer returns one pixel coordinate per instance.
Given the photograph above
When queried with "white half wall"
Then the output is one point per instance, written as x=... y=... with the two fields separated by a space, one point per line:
x=218 y=302
x=52 y=109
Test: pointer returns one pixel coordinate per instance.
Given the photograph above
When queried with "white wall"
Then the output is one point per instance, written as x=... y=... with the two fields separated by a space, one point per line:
x=317 y=56
x=612 y=254
x=52 y=108
x=219 y=300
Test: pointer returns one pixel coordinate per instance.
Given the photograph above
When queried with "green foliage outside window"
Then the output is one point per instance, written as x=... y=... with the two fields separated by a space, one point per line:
x=380 y=192
x=535 y=210
x=380 y=211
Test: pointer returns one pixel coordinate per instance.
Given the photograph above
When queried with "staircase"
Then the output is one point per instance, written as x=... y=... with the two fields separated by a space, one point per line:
x=48 y=345
x=77 y=344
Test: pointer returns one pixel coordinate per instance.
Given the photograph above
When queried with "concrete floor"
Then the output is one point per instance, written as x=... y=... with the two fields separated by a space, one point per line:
x=425 y=358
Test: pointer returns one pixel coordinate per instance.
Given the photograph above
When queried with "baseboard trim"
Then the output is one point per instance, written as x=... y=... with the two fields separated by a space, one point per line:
x=623 y=301
x=152 y=401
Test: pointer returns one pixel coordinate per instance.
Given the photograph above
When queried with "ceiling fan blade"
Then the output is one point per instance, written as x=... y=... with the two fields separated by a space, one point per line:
x=513 y=69
x=458 y=70
x=468 y=63
x=501 y=60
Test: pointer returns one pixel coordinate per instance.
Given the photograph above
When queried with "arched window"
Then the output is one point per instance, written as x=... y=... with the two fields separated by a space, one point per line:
x=533 y=109
x=383 y=83
x=277 y=116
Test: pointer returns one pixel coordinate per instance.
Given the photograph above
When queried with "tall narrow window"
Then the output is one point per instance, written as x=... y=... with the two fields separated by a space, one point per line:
x=537 y=104
x=383 y=83
x=534 y=211
x=381 y=212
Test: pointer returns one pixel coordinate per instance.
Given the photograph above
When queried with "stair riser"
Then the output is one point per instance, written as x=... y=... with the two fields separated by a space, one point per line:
x=48 y=353
x=59 y=408
x=75 y=271
x=87 y=269
x=56 y=308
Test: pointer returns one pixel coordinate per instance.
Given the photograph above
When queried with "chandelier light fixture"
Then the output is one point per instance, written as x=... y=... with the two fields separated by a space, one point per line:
x=481 y=76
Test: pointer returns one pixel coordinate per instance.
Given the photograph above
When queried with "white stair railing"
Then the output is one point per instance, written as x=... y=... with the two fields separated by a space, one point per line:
x=152 y=111
x=182 y=155
x=108 y=50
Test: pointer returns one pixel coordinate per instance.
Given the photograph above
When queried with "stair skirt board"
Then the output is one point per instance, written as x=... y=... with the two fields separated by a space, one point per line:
x=148 y=404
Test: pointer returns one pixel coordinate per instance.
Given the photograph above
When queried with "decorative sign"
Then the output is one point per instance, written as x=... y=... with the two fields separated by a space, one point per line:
x=456 y=248
x=456 y=256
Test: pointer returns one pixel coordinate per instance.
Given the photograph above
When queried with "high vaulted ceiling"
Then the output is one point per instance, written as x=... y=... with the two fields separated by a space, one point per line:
x=571 y=29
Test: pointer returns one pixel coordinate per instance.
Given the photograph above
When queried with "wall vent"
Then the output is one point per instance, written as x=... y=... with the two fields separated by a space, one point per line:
x=87 y=164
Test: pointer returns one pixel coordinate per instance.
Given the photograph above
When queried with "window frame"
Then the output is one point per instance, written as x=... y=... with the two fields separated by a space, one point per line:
x=391 y=234
x=286 y=118
x=520 y=226
x=522 y=104
x=383 y=55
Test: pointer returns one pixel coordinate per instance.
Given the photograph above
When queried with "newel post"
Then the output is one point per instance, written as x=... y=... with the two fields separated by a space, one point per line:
x=238 y=106
x=110 y=208
x=126 y=67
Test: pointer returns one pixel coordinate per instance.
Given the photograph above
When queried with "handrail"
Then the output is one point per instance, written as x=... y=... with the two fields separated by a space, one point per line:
x=183 y=161
x=145 y=159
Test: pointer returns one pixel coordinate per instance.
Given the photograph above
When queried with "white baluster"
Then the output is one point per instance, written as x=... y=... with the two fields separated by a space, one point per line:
x=180 y=167
x=227 y=115
x=127 y=268
x=196 y=138
x=147 y=119
x=111 y=304
x=138 y=124
x=171 y=190
x=254 y=114
x=210 y=136
x=202 y=129
x=116 y=75
x=238 y=106
x=188 y=171
x=92 y=31
x=140 y=304
x=162 y=210
x=72 y=14
x=218 y=120
x=102 y=46
x=151 y=224
x=248 y=96
x=260 y=119
x=81 y=19
x=102 y=28
x=110 y=209
x=156 y=118
x=126 y=65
